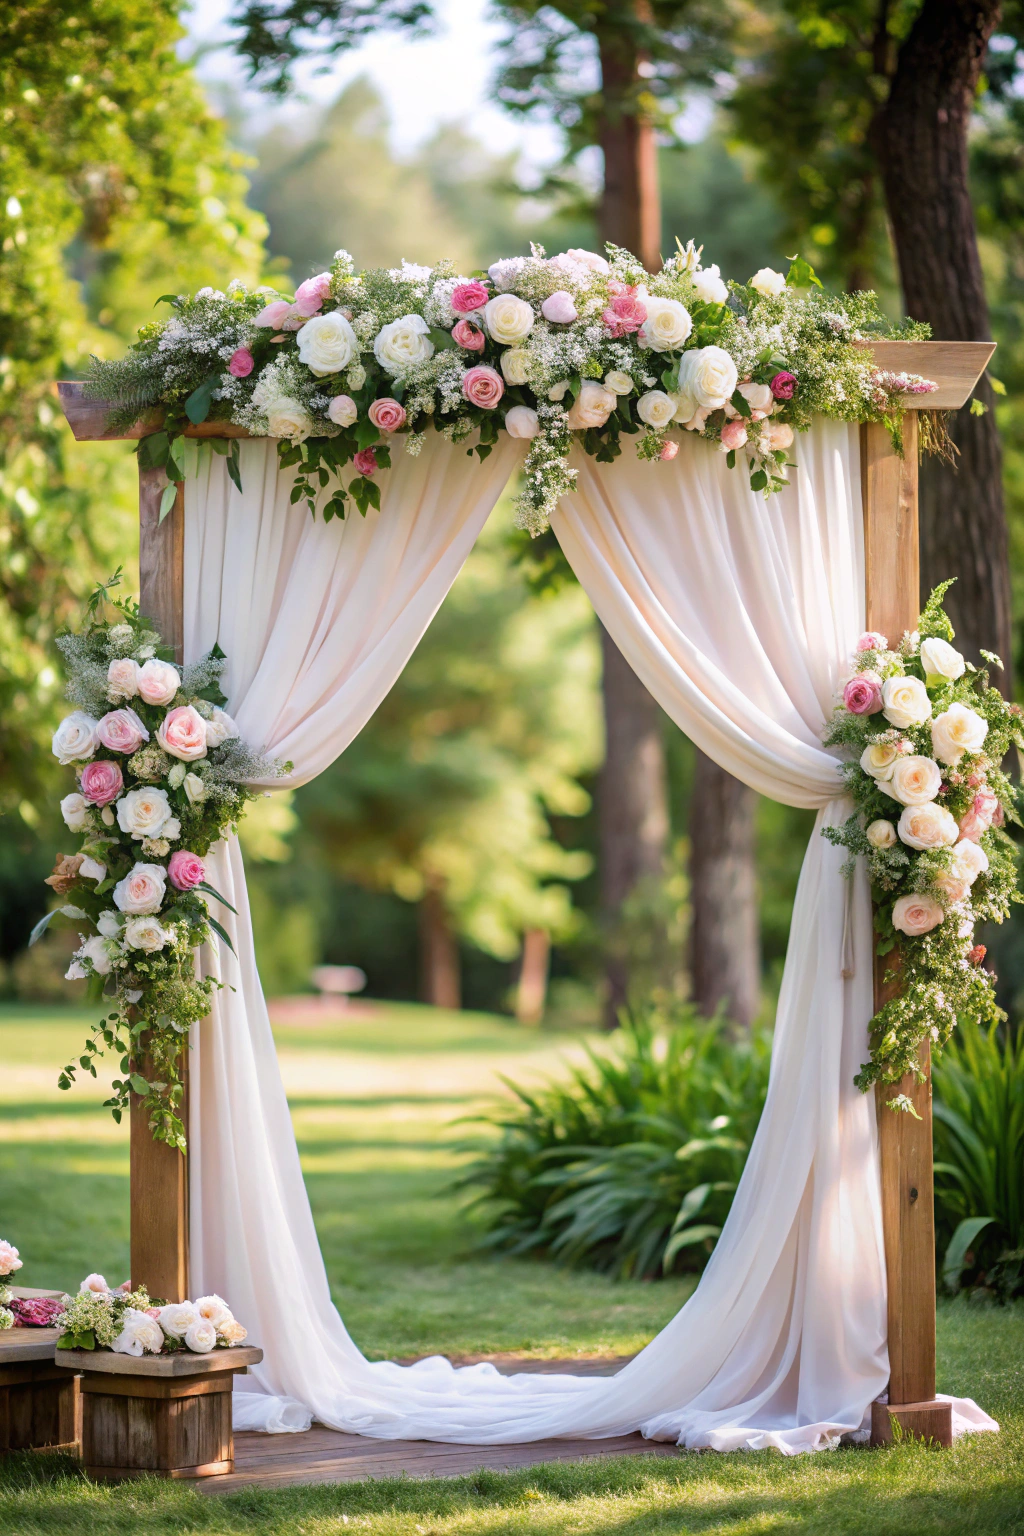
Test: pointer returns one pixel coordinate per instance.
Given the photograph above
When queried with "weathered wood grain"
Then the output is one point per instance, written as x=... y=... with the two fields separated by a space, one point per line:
x=955 y=366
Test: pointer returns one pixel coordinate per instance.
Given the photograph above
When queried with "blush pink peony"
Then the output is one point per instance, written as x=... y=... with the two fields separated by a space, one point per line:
x=101 y=781
x=863 y=694
x=387 y=415
x=312 y=295
x=559 y=308
x=241 y=363
x=275 y=314
x=365 y=461
x=733 y=434
x=872 y=641
x=185 y=870
x=483 y=386
x=158 y=681
x=469 y=336
x=182 y=733
x=783 y=386
x=468 y=297
x=121 y=731
x=625 y=314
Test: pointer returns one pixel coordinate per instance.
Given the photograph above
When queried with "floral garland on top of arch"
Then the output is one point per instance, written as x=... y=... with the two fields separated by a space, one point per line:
x=575 y=346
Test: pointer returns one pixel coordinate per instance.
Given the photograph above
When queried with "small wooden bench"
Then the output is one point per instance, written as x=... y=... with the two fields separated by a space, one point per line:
x=40 y=1404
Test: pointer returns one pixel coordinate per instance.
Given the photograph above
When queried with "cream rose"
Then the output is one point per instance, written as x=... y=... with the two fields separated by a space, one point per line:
x=905 y=702
x=402 y=344
x=288 y=419
x=939 y=659
x=927 y=826
x=232 y=1333
x=158 y=681
x=508 y=319
x=915 y=780
x=144 y=812
x=141 y=891
x=177 y=1317
x=195 y=789
x=969 y=860
x=592 y=407
x=182 y=733
x=201 y=1336
x=515 y=365
x=220 y=728
x=667 y=326
x=618 y=382
x=879 y=759
x=122 y=679
x=656 y=408
x=957 y=730
x=522 y=421
x=881 y=834
x=914 y=915
x=768 y=283
x=75 y=738
x=96 y=949
x=214 y=1309
x=709 y=375
x=327 y=344
x=75 y=812
x=139 y=1334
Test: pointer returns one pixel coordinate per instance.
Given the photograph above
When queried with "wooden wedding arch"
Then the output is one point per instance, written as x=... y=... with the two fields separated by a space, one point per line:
x=159 y=1174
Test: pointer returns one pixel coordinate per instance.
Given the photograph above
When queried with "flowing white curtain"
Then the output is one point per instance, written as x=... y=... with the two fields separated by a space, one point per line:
x=739 y=614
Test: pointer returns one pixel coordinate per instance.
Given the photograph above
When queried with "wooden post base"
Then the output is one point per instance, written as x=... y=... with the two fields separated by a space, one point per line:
x=40 y=1406
x=920 y=1421
x=157 y=1415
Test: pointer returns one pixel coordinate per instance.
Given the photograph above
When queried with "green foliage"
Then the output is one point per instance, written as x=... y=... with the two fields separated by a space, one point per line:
x=629 y=1165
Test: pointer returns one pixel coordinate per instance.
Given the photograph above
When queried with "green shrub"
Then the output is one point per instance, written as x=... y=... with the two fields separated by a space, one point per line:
x=629 y=1165
x=979 y=1159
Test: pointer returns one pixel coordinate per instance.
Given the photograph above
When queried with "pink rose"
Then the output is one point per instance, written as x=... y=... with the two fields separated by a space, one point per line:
x=483 y=386
x=387 y=415
x=469 y=336
x=311 y=295
x=914 y=915
x=626 y=313
x=365 y=461
x=158 y=681
x=122 y=731
x=783 y=386
x=101 y=781
x=185 y=870
x=872 y=641
x=559 y=308
x=863 y=694
x=182 y=733
x=734 y=434
x=467 y=297
x=274 y=314
x=669 y=449
x=241 y=363
x=981 y=815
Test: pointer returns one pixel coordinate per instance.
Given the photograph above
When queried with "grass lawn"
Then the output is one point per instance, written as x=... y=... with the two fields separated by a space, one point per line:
x=373 y=1102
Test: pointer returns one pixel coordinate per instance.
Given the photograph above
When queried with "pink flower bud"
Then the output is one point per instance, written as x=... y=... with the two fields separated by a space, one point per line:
x=185 y=870
x=365 y=461
x=241 y=363
x=469 y=336
x=669 y=449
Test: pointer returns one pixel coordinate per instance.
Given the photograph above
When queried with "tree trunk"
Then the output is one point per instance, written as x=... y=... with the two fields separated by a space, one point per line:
x=439 y=953
x=724 y=937
x=632 y=804
x=630 y=210
x=921 y=140
x=531 y=993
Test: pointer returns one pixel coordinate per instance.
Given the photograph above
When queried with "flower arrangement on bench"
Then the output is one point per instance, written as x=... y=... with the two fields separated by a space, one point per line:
x=127 y=1322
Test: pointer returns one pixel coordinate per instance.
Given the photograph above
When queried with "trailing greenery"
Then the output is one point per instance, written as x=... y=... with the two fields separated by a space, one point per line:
x=629 y=1164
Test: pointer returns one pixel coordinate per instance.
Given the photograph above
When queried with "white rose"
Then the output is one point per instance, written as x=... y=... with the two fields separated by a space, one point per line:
x=619 y=383
x=905 y=702
x=145 y=933
x=927 y=826
x=75 y=738
x=75 y=812
x=144 y=812
x=177 y=1317
x=327 y=344
x=957 y=730
x=879 y=759
x=939 y=659
x=91 y=869
x=232 y=1333
x=343 y=410
x=158 y=682
x=881 y=834
x=758 y=396
x=656 y=408
x=195 y=789
x=139 y=1333
x=768 y=283
x=709 y=286
x=201 y=1336
x=515 y=365
x=141 y=890
x=592 y=407
x=915 y=780
x=709 y=375
x=914 y=915
x=95 y=949
x=220 y=728
x=94 y=1285
x=214 y=1309
x=508 y=319
x=287 y=418
x=667 y=326
x=402 y=344
x=122 y=679
x=109 y=924
x=522 y=421
x=969 y=860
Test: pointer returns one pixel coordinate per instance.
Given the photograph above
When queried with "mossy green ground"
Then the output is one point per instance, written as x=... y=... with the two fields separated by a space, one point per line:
x=373 y=1102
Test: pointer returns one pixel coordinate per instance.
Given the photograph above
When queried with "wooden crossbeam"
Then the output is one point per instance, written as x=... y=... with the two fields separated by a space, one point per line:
x=159 y=1178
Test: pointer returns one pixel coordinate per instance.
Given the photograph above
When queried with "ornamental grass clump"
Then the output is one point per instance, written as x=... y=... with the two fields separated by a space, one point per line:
x=629 y=1165
x=925 y=735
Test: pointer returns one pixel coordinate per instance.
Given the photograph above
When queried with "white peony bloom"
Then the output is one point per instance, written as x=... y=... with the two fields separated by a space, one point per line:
x=656 y=408
x=220 y=728
x=75 y=738
x=927 y=826
x=905 y=702
x=177 y=1317
x=768 y=283
x=709 y=286
x=144 y=812
x=142 y=890
x=75 y=812
x=591 y=408
x=667 y=326
x=940 y=659
x=709 y=375
x=522 y=421
x=515 y=365
x=201 y=1336
x=214 y=1309
x=957 y=730
x=402 y=344
x=619 y=383
x=589 y=259
x=288 y=419
x=327 y=344
x=914 y=780
x=508 y=319
x=881 y=834
x=122 y=679
x=158 y=681
x=139 y=1334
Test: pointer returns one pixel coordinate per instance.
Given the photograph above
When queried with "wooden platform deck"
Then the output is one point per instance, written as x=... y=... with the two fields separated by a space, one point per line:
x=327 y=1456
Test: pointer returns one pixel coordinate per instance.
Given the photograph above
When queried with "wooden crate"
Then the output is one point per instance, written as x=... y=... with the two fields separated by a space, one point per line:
x=157 y=1415
x=40 y=1404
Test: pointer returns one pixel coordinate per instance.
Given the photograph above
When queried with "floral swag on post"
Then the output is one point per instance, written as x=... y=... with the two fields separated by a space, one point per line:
x=927 y=735
x=161 y=776
x=550 y=349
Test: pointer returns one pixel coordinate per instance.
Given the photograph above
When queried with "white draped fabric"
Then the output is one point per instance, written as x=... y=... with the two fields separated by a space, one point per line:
x=739 y=614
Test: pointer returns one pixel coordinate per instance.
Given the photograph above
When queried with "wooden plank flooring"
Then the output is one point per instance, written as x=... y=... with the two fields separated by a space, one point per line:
x=328 y=1456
